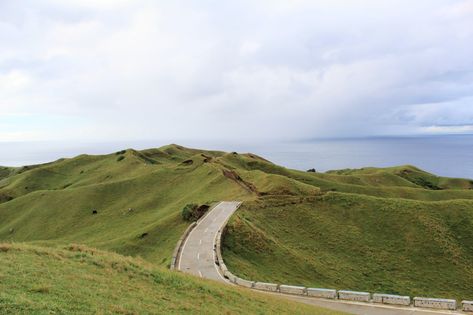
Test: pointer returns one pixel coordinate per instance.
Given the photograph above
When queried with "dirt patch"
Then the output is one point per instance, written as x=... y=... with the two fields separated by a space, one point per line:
x=232 y=175
x=207 y=158
x=235 y=177
x=5 y=198
x=201 y=210
x=257 y=157
x=5 y=247
x=188 y=162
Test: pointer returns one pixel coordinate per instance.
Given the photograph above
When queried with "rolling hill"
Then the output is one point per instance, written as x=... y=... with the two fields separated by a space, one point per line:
x=350 y=241
x=395 y=230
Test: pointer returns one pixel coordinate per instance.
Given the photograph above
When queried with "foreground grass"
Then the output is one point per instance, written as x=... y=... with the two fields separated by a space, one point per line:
x=356 y=242
x=81 y=280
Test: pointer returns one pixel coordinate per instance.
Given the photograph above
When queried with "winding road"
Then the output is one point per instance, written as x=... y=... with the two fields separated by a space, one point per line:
x=198 y=251
x=197 y=257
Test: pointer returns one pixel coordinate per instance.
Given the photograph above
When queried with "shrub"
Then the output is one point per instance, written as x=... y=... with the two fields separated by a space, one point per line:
x=188 y=211
x=193 y=212
x=121 y=157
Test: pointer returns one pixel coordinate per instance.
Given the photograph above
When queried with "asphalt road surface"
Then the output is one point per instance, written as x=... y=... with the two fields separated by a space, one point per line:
x=198 y=254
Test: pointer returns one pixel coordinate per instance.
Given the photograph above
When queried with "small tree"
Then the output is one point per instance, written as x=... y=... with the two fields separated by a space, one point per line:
x=188 y=211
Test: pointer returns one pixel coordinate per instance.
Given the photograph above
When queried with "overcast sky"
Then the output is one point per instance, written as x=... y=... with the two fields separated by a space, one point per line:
x=136 y=70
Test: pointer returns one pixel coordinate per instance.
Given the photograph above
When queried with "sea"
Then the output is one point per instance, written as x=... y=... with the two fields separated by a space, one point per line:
x=445 y=155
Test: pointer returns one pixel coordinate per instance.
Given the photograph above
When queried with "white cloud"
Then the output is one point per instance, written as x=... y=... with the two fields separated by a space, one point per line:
x=239 y=69
x=447 y=129
x=14 y=81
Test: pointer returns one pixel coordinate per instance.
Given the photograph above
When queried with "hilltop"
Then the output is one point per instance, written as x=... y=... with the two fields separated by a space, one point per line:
x=396 y=230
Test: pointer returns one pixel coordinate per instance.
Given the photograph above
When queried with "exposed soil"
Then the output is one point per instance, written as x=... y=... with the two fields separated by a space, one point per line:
x=188 y=162
x=235 y=177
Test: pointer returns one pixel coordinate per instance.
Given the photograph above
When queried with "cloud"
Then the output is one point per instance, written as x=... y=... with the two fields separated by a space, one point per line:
x=239 y=69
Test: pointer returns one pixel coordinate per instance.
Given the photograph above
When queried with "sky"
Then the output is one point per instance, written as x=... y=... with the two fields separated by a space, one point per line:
x=102 y=70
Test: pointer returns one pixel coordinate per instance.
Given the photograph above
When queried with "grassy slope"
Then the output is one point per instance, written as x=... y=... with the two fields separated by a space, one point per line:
x=395 y=230
x=386 y=182
x=6 y=172
x=329 y=235
x=349 y=241
x=80 y=280
x=53 y=203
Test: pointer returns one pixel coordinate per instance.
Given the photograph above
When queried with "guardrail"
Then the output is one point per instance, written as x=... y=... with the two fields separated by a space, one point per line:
x=364 y=297
x=467 y=306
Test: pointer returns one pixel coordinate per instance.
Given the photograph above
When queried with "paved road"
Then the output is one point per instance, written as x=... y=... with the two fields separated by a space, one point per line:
x=198 y=258
x=197 y=254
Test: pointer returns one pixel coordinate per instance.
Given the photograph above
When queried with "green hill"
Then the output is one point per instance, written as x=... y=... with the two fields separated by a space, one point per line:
x=393 y=230
x=349 y=241
x=81 y=280
x=137 y=196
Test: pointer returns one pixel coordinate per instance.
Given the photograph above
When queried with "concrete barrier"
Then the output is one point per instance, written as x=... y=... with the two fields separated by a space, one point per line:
x=322 y=293
x=444 y=304
x=177 y=250
x=354 y=296
x=292 y=289
x=230 y=276
x=391 y=299
x=244 y=283
x=272 y=287
x=467 y=306
x=222 y=266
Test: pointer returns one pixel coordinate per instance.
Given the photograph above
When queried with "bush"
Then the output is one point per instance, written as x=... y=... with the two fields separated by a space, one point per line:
x=188 y=211
x=193 y=212
x=121 y=157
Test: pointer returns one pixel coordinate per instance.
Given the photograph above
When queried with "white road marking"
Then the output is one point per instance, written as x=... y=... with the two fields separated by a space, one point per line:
x=193 y=230
x=200 y=242
x=200 y=274
x=206 y=230
x=198 y=256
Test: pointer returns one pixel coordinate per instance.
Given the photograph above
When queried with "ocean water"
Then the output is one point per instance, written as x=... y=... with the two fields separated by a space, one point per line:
x=443 y=155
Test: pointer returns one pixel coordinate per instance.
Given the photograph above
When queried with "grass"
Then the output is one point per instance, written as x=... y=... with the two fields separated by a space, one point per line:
x=393 y=230
x=349 y=241
x=82 y=280
x=53 y=204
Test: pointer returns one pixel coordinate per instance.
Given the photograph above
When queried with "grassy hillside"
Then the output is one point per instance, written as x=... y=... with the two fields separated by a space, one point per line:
x=138 y=197
x=396 y=182
x=412 y=176
x=81 y=280
x=395 y=230
x=349 y=241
